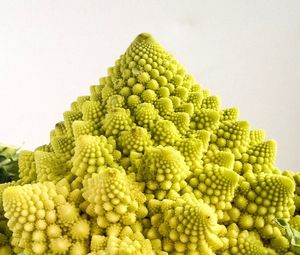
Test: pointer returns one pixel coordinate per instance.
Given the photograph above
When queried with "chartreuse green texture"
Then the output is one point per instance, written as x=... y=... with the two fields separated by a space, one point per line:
x=149 y=163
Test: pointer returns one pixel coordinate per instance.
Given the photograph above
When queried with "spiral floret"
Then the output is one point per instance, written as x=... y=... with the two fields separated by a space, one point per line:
x=135 y=139
x=91 y=152
x=192 y=149
x=48 y=167
x=40 y=219
x=211 y=102
x=165 y=133
x=163 y=169
x=232 y=136
x=216 y=186
x=206 y=119
x=113 y=199
x=145 y=115
x=27 y=169
x=230 y=114
x=186 y=226
x=245 y=242
x=262 y=198
x=133 y=244
x=116 y=120
x=260 y=157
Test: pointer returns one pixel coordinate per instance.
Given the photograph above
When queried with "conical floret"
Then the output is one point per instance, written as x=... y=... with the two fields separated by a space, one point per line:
x=186 y=225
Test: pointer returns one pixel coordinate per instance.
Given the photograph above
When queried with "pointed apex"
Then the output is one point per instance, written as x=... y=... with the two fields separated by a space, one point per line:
x=146 y=41
x=146 y=37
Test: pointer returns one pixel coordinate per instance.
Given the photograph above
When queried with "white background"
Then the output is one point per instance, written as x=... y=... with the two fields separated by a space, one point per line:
x=247 y=52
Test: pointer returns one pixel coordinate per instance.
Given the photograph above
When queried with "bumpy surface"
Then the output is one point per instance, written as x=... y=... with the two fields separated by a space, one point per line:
x=149 y=163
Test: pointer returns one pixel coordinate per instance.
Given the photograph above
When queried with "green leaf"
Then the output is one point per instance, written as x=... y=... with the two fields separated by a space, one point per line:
x=9 y=169
x=8 y=150
x=292 y=234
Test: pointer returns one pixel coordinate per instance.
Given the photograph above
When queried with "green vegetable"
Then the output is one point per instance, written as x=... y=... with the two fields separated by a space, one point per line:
x=150 y=163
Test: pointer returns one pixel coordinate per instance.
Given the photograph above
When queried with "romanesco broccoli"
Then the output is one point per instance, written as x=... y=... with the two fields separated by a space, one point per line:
x=149 y=163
